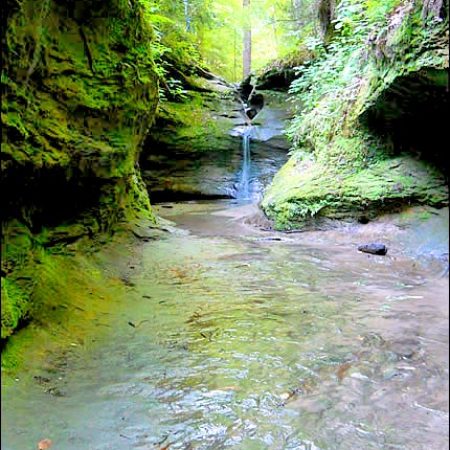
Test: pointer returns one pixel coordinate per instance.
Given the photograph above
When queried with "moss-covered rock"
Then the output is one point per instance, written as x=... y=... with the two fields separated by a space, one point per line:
x=195 y=149
x=280 y=73
x=71 y=286
x=304 y=192
x=368 y=139
x=79 y=94
x=190 y=147
x=14 y=306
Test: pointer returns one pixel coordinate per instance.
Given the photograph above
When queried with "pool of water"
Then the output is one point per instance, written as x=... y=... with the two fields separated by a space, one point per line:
x=232 y=338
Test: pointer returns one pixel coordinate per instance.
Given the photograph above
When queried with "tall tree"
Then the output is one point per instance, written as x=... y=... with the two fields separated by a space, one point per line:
x=247 y=53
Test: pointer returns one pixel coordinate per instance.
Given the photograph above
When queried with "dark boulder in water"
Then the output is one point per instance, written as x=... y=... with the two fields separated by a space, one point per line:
x=374 y=249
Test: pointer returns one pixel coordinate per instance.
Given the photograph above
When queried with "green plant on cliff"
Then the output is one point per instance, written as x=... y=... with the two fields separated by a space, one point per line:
x=376 y=45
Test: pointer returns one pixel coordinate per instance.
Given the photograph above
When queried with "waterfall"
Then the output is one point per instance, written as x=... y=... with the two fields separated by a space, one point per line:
x=243 y=186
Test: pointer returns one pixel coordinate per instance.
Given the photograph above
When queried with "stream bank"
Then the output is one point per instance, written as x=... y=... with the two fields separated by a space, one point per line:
x=79 y=92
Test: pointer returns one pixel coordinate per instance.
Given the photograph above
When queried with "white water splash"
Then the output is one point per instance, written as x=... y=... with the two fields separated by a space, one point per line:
x=243 y=187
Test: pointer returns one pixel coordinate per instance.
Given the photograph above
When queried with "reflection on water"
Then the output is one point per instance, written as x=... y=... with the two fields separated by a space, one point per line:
x=243 y=342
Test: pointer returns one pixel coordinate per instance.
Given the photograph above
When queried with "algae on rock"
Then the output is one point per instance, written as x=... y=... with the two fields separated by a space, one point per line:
x=79 y=94
x=190 y=152
x=373 y=114
x=195 y=149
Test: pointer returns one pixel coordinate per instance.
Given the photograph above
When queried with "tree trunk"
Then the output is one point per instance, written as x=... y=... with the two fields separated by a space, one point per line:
x=187 y=15
x=247 y=54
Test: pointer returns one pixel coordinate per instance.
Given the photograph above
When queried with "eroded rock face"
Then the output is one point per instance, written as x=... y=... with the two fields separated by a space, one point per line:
x=79 y=97
x=411 y=115
x=372 y=147
x=79 y=94
x=195 y=149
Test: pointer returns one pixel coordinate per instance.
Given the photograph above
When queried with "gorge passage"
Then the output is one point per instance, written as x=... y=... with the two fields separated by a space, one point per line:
x=180 y=264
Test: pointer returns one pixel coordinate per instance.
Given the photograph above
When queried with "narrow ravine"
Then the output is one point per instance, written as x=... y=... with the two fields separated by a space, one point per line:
x=226 y=225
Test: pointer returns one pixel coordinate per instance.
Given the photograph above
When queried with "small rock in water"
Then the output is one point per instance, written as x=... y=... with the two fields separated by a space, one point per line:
x=374 y=249
x=45 y=444
x=364 y=220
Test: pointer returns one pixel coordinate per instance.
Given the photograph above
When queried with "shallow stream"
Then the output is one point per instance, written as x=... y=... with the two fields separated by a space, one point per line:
x=235 y=338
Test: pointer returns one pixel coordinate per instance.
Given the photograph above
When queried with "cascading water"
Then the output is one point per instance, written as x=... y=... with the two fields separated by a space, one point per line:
x=243 y=191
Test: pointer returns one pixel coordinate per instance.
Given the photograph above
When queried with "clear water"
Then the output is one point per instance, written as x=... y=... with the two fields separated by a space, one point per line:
x=244 y=341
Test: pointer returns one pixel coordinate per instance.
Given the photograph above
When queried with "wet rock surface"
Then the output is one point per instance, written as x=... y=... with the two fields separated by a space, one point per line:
x=181 y=164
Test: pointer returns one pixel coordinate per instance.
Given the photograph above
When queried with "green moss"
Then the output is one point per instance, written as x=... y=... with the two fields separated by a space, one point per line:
x=71 y=293
x=88 y=97
x=425 y=215
x=80 y=92
x=14 y=306
x=303 y=191
x=350 y=170
x=195 y=123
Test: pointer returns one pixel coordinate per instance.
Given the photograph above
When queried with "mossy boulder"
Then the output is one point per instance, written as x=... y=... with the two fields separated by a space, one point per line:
x=369 y=140
x=304 y=192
